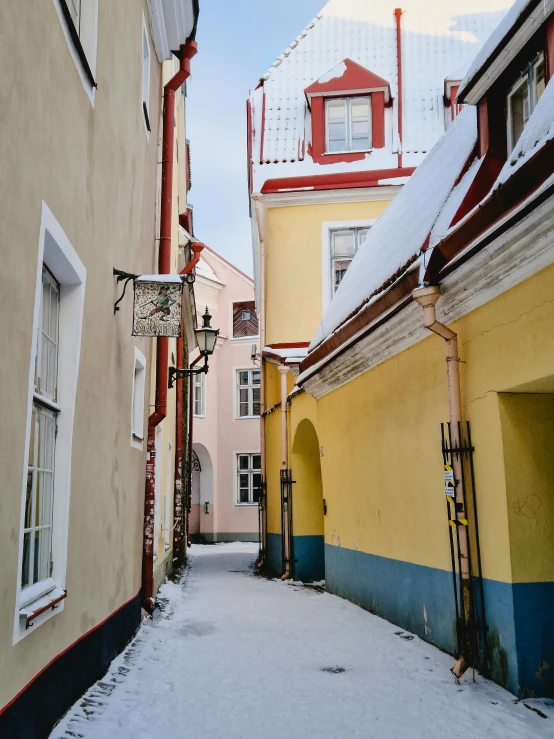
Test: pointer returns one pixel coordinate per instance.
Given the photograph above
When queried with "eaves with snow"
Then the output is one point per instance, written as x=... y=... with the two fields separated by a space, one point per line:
x=438 y=41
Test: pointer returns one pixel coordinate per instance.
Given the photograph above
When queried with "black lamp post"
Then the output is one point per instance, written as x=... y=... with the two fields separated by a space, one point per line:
x=206 y=337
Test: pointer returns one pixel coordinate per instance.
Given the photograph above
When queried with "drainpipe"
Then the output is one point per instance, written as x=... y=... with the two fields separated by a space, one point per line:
x=179 y=512
x=427 y=297
x=398 y=14
x=257 y=198
x=283 y=371
x=186 y=53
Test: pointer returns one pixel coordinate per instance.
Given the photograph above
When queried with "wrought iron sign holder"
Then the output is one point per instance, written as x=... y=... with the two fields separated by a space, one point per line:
x=176 y=373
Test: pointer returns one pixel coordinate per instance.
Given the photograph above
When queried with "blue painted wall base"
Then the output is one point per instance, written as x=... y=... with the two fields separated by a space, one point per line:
x=420 y=599
x=309 y=558
x=275 y=554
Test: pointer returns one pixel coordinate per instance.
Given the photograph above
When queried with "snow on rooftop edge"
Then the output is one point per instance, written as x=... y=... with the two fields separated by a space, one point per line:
x=403 y=228
x=494 y=40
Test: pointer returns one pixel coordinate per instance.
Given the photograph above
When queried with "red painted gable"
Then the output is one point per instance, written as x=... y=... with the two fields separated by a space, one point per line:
x=355 y=77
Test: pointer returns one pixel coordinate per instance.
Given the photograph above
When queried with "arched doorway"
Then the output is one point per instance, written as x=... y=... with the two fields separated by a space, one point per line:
x=307 y=505
x=201 y=518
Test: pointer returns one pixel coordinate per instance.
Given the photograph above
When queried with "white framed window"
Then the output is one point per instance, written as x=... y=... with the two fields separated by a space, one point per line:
x=145 y=77
x=79 y=20
x=344 y=244
x=348 y=124
x=248 y=393
x=199 y=384
x=53 y=375
x=340 y=240
x=523 y=98
x=249 y=478
x=137 y=401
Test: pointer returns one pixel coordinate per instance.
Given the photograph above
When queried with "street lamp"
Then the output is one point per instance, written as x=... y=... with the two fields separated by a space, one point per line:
x=206 y=338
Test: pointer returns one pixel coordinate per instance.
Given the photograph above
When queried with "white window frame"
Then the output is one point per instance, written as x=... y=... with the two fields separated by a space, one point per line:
x=528 y=78
x=251 y=471
x=146 y=54
x=238 y=387
x=57 y=253
x=92 y=11
x=348 y=100
x=326 y=228
x=137 y=400
x=199 y=380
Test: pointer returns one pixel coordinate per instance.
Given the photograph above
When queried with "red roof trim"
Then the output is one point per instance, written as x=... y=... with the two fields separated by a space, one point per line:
x=355 y=77
x=342 y=180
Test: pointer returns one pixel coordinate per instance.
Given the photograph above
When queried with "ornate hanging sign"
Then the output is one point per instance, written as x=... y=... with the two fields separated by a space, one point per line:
x=157 y=305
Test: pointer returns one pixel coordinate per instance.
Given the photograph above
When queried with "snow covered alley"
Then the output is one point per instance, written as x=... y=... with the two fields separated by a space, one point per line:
x=240 y=656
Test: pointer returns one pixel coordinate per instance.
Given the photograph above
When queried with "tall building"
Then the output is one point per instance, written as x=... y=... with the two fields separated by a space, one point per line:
x=226 y=460
x=82 y=193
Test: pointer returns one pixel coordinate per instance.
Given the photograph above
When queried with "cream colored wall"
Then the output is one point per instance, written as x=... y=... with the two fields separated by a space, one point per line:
x=96 y=171
x=293 y=245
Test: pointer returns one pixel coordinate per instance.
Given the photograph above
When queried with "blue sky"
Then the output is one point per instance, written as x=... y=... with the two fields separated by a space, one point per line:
x=237 y=41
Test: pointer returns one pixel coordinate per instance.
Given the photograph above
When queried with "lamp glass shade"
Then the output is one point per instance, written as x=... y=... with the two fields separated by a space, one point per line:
x=207 y=338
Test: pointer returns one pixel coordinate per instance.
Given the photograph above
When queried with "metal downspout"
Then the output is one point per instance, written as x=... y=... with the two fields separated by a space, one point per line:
x=187 y=51
x=286 y=533
x=427 y=297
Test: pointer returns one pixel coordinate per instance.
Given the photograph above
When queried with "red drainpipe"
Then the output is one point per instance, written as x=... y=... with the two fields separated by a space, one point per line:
x=186 y=53
x=398 y=14
x=178 y=509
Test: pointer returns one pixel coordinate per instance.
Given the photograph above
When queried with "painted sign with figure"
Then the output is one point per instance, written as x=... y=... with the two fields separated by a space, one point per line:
x=157 y=307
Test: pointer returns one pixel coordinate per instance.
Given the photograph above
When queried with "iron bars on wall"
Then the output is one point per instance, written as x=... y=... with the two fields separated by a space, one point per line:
x=469 y=598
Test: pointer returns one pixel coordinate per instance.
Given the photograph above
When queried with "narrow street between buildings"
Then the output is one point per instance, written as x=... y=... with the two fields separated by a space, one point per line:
x=235 y=655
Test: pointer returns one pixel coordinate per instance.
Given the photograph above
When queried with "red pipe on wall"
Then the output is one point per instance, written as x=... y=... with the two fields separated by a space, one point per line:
x=179 y=511
x=186 y=53
x=398 y=13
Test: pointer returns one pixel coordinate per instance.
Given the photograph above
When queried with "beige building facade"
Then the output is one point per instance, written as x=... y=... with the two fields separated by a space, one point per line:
x=80 y=177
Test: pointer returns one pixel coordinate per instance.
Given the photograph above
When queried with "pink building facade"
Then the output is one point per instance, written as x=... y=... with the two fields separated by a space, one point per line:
x=226 y=464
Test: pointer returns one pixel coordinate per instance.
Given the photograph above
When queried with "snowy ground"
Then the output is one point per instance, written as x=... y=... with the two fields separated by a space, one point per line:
x=240 y=656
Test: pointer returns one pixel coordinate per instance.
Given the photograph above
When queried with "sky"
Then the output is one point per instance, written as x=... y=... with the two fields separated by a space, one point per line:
x=238 y=40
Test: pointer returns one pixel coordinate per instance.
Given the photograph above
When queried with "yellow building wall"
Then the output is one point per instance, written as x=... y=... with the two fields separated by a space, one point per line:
x=293 y=245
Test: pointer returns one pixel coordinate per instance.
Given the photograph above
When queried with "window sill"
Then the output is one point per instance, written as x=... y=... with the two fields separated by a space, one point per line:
x=236 y=339
x=195 y=416
x=247 y=418
x=246 y=505
x=351 y=151
x=41 y=599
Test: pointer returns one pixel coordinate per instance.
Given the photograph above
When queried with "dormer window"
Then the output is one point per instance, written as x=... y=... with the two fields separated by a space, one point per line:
x=348 y=124
x=347 y=109
x=523 y=97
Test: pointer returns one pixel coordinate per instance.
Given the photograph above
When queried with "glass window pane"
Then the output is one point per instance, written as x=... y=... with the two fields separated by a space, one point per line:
x=32 y=450
x=339 y=270
x=256 y=462
x=243 y=461
x=26 y=560
x=243 y=410
x=256 y=487
x=29 y=500
x=243 y=378
x=42 y=555
x=243 y=496
x=243 y=396
x=362 y=233
x=343 y=243
x=243 y=481
x=540 y=81
x=336 y=110
x=256 y=377
x=359 y=108
x=336 y=125
x=54 y=310
x=519 y=109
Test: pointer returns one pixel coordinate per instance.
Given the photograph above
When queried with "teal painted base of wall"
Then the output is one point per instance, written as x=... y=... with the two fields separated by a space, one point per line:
x=420 y=599
x=274 y=562
x=309 y=558
x=221 y=537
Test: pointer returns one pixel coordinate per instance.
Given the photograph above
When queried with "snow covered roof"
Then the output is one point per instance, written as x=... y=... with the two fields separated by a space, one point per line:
x=425 y=207
x=436 y=39
x=538 y=131
x=522 y=20
x=203 y=269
